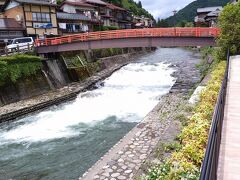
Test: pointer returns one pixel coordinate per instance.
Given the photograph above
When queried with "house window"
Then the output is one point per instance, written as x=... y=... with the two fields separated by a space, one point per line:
x=41 y=17
x=78 y=11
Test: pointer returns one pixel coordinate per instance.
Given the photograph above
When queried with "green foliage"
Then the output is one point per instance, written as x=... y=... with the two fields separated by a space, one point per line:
x=229 y=22
x=15 y=67
x=59 y=2
x=134 y=7
x=104 y=28
x=89 y=69
x=206 y=53
x=189 y=12
x=185 y=162
x=182 y=118
x=169 y=147
x=184 y=24
x=162 y=23
x=100 y=53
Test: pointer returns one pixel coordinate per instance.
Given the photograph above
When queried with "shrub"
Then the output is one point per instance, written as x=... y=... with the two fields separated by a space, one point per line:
x=15 y=67
x=186 y=162
x=105 y=28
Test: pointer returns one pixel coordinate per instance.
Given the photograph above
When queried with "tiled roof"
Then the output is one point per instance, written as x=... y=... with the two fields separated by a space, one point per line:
x=72 y=16
x=209 y=9
x=38 y=2
x=112 y=6
x=213 y=13
x=95 y=2
x=78 y=3
x=10 y=24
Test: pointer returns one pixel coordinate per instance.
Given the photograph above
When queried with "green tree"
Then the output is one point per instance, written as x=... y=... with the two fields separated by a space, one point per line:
x=181 y=24
x=59 y=2
x=229 y=22
x=161 y=23
x=189 y=24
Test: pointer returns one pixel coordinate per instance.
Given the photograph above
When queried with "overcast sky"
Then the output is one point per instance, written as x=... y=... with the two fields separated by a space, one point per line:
x=163 y=8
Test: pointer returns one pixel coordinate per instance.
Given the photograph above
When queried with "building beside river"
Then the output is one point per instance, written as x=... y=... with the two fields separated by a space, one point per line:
x=38 y=17
x=10 y=28
x=207 y=16
x=94 y=13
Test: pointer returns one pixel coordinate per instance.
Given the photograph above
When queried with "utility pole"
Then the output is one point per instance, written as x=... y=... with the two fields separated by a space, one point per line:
x=174 y=13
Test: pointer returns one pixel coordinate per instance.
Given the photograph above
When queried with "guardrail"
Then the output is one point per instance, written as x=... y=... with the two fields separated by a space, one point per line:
x=130 y=33
x=210 y=163
x=16 y=50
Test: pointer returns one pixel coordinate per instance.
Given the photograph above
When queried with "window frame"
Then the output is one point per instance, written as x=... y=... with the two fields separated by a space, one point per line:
x=41 y=17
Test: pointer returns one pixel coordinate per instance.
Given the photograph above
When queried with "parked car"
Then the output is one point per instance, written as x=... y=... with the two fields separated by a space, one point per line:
x=20 y=43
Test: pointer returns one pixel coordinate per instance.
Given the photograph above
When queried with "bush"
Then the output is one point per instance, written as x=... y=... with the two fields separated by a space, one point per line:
x=186 y=162
x=15 y=67
x=105 y=28
x=101 y=53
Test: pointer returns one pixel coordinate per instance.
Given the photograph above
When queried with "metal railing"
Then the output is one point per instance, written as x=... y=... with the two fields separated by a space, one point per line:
x=17 y=50
x=210 y=164
x=131 y=33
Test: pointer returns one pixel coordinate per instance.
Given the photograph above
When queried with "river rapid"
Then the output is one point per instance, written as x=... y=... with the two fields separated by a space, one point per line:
x=63 y=141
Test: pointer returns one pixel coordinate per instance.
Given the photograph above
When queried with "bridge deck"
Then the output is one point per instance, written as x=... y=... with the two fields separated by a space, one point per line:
x=229 y=160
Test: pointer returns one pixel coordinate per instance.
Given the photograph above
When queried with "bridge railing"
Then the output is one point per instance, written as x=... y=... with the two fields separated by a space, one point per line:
x=210 y=164
x=130 y=33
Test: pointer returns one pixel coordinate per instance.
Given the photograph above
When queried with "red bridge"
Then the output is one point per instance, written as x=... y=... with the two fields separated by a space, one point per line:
x=156 y=37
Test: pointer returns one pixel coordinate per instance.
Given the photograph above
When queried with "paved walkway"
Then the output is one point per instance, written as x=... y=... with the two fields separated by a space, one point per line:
x=229 y=160
x=124 y=160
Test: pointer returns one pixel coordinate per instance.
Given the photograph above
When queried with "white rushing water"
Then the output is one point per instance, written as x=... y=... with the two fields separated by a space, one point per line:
x=129 y=94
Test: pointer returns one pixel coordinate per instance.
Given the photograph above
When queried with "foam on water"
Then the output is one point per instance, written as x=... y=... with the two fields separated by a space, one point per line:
x=129 y=94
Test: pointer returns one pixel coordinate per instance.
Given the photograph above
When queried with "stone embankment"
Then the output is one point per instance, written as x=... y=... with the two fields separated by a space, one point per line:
x=67 y=93
x=128 y=158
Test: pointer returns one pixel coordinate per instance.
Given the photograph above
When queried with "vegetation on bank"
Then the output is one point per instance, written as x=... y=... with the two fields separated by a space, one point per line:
x=77 y=62
x=229 y=22
x=18 y=66
x=104 y=28
x=133 y=6
x=208 y=55
x=186 y=161
x=101 y=53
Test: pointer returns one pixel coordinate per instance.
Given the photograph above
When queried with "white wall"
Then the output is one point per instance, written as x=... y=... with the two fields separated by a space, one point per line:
x=12 y=4
x=68 y=8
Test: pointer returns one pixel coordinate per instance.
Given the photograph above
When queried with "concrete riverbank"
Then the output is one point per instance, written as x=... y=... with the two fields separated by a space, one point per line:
x=67 y=93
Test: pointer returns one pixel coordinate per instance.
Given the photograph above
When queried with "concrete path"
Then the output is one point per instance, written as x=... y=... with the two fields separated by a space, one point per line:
x=229 y=160
x=125 y=159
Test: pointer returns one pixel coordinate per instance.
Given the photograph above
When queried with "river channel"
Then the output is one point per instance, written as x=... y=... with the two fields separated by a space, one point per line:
x=63 y=141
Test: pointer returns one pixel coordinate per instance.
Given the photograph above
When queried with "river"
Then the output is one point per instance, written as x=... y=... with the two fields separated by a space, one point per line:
x=63 y=141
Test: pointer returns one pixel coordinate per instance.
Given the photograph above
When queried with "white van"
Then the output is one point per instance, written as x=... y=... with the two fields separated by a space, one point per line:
x=22 y=43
